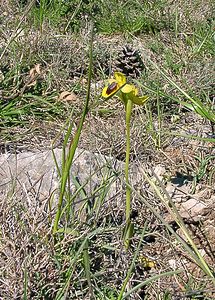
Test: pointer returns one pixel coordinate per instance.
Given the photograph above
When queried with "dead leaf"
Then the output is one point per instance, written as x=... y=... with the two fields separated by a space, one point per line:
x=35 y=71
x=37 y=68
x=33 y=74
x=68 y=96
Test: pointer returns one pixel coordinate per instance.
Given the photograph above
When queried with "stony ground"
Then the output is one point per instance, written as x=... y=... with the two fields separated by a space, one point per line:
x=50 y=86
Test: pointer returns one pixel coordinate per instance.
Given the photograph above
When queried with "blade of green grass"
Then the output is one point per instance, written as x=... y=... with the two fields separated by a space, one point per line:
x=195 y=105
x=16 y=31
x=62 y=293
x=150 y=280
x=129 y=273
x=73 y=146
x=211 y=140
x=86 y=261
x=192 y=250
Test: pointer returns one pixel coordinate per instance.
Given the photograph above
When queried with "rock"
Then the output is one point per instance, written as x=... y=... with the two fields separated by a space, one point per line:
x=179 y=194
x=159 y=171
x=34 y=176
x=192 y=208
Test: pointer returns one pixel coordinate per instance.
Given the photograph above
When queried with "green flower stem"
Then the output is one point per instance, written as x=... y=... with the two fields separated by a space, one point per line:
x=129 y=228
x=128 y=190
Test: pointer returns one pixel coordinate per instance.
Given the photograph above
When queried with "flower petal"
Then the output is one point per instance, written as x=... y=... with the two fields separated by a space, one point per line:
x=136 y=91
x=120 y=78
x=128 y=88
x=139 y=100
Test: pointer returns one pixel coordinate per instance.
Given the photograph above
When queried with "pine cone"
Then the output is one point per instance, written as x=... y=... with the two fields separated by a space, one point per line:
x=129 y=62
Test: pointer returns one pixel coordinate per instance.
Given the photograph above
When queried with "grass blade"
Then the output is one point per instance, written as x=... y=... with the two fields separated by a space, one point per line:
x=73 y=146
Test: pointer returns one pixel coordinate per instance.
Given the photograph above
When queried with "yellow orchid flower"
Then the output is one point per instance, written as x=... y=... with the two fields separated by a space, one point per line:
x=132 y=94
x=114 y=85
x=123 y=90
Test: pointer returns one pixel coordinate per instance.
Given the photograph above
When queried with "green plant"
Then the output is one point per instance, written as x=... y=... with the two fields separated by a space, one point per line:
x=188 y=244
x=193 y=103
x=202 y=168
x=129 y=95
x=130 y=17
x=67 y=160
x=48 y=11
x=154 y=133
x=172 y=63
x=129 y=273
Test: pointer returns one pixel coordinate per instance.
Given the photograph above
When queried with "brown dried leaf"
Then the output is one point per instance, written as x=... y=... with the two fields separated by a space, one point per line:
x=68 y=96
x=33 y=74
x=35 y=71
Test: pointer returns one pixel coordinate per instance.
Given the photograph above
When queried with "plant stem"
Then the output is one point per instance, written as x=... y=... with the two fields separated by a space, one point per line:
x=128 y=190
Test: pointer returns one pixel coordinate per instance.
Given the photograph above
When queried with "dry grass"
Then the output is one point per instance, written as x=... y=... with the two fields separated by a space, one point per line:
x=28 y=248
x=32 y=261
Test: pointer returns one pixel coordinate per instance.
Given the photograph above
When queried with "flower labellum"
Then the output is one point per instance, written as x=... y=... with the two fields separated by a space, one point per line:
x=111 y=88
